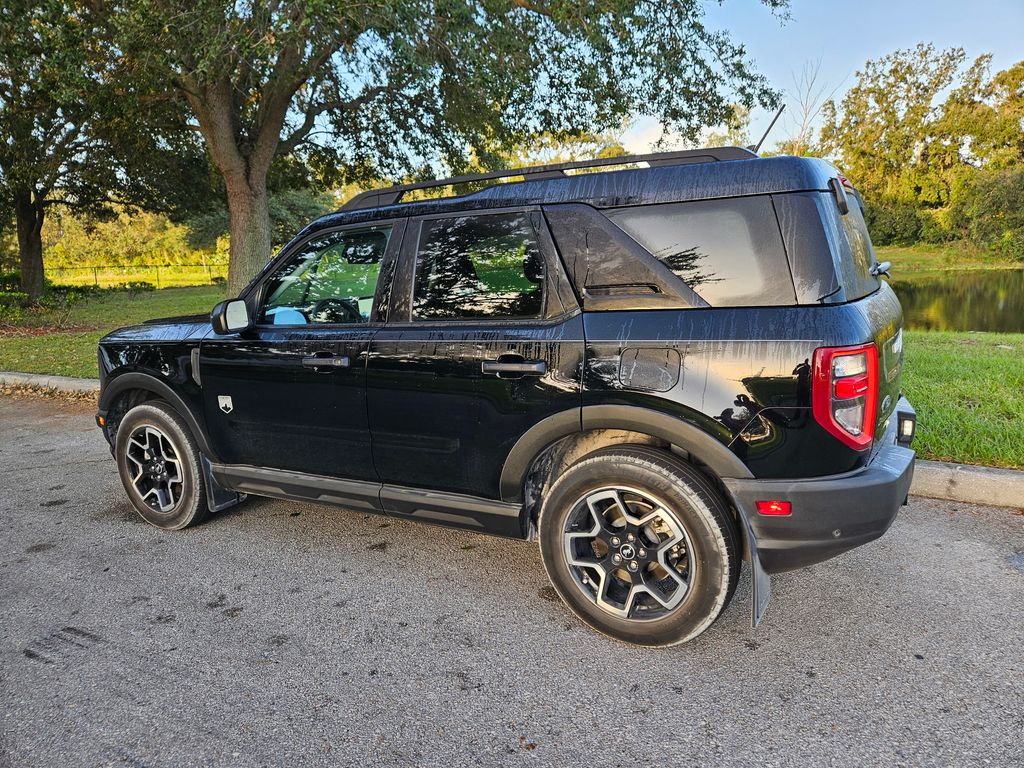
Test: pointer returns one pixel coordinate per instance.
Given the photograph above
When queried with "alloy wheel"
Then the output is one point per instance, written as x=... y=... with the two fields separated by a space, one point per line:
x=628 y=553
x=155 y=468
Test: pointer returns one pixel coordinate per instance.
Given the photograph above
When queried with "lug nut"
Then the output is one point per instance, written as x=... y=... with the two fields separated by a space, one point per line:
x=616 y=558
x=615 y=541
x=631 y=537
x=642 y=553
x=633 y=565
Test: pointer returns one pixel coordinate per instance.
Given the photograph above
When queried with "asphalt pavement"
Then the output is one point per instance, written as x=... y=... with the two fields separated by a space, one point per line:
x=293 y=634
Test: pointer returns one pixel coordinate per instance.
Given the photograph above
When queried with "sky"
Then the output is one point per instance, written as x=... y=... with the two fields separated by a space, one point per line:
x=846 y=34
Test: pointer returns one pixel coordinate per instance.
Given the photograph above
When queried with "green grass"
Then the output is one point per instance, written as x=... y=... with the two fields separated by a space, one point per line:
x=65 y=354
x=968 y=390
x=68 y=347
x=113 y=309
x=910 y=260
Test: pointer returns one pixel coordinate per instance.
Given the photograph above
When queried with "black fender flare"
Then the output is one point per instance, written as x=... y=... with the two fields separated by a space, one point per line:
x=710 y=451
x=675 y=431
x=135 y=380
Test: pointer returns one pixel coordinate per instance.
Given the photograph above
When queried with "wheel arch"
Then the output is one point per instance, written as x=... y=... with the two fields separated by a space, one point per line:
x=130 y=384
x=647 y=424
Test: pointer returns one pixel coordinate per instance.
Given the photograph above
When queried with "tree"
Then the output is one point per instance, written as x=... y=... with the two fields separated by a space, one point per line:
x=382 y=88
x=74 y=136
x=805 y=101
x=737 y=129
x=882 y=129
x=48 y=156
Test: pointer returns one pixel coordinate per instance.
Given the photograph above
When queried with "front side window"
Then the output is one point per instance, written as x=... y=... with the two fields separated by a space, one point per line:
x=479 y=267
x=330 y=279
x=729 y=252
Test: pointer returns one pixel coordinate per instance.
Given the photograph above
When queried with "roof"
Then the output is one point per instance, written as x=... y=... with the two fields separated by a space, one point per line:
x=609 y=189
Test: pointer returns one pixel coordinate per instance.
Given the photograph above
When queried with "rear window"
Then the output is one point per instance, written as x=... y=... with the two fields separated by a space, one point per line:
x=729 y=252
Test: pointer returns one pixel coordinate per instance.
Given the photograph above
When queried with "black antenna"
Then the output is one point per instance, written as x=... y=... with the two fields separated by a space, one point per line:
x=770 y=126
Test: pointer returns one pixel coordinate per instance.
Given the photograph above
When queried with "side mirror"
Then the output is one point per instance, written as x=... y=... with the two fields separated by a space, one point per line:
x=231 y=316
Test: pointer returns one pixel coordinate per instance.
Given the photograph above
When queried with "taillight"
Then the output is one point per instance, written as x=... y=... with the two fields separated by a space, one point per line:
x=845 y=392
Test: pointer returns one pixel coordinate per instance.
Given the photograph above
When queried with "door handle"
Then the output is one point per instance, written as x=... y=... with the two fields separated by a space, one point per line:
x=313 y=361
x=515 y=365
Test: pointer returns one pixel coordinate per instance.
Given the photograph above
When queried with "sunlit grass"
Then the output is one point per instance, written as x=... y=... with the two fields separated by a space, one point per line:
x=908 y=261
x=968 y=390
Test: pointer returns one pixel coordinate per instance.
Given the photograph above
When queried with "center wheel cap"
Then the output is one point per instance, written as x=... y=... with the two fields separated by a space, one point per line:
x=628 y=551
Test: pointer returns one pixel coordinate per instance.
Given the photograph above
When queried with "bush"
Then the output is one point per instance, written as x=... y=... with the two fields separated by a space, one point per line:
x=994 y=211
x=934 y=226
x=10 y=298
x=10 y=281
x=892 y=222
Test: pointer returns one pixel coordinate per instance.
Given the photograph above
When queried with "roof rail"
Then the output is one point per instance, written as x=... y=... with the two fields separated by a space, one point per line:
x=391 y=195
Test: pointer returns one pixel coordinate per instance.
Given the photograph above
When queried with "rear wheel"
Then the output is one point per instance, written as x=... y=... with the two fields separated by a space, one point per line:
x=158 y=462
x=640 y=546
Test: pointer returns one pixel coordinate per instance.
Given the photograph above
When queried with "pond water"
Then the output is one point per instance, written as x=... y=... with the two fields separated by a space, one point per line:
x=974 y=300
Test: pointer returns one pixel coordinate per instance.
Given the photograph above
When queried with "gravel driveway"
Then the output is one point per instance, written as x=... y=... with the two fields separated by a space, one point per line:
x=293 y=634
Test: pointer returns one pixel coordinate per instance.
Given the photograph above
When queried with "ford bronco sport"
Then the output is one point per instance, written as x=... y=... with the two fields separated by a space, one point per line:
x=658 y=372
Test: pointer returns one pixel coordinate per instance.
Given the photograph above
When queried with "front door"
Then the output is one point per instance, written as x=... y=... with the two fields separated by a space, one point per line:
x=290 y=393
x=484 y=339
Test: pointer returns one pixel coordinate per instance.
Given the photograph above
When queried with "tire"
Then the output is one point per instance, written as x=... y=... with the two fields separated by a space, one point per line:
x=668 y=583
x=159 y=466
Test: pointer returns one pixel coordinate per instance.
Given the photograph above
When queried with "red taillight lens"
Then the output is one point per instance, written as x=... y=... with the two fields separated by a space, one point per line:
x=778 y=508
x=845 y=392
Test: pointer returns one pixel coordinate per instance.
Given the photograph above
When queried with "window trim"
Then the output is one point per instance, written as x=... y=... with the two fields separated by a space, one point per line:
x=253 y=296
x=405 y=278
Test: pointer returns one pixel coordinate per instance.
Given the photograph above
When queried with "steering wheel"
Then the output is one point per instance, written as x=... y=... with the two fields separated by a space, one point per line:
x=335 y=311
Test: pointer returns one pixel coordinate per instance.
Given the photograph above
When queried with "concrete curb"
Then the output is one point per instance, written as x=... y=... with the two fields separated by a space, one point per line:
x=932 y=479
x=68 y=384
x=968 y=483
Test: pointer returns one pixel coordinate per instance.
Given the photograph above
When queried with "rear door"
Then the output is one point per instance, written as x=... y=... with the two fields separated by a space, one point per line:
x=290 y=393
x=484 y=339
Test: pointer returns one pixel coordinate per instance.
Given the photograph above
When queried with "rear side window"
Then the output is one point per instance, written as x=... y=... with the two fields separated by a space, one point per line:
x=479 y=267
x=729 y=252
x=855 y=254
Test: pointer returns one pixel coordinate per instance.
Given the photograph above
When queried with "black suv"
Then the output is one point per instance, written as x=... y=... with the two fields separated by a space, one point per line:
x=656 y=372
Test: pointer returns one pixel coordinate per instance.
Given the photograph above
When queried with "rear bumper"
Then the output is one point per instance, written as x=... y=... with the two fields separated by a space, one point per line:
x=830 y=515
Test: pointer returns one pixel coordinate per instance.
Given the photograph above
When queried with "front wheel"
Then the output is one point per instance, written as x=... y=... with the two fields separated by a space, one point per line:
x=158 y=461
x=640 y=546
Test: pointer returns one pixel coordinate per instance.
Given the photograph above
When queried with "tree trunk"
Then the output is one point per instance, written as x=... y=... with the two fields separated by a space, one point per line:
x=29 y=214
x=250 y=231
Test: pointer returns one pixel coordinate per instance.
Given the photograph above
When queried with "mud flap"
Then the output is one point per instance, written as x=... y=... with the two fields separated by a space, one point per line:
x=217 y=496
x=760 y=582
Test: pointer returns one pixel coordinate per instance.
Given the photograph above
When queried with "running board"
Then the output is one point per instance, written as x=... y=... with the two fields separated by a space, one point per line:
x=451 y=509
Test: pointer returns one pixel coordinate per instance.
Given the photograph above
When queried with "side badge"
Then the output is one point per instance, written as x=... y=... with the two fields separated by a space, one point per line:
x=224 y=401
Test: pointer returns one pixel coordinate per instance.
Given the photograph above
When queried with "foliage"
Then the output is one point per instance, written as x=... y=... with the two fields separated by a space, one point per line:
x=290 y=211
x=994 y=209
x=935 y=146
x=127 y=239
x=451 y=79
x=891 y=222
x=737 y=129
x=73 y=134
